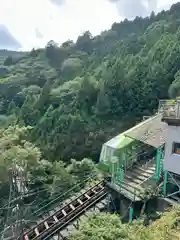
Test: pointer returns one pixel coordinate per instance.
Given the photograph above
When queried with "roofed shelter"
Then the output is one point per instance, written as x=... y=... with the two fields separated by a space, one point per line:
x=125 y=148
x=132 y=161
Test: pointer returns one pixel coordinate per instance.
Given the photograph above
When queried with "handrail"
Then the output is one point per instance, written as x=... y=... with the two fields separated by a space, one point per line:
x=138 y=185
x=145 y=180
x=135 y=189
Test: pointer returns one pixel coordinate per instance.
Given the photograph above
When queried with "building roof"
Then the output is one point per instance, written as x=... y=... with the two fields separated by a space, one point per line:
x=151 y=132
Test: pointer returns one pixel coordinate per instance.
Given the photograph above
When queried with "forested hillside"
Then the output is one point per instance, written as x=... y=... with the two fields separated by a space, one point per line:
x=11 y=54
x=78 y=95
x=30 y=185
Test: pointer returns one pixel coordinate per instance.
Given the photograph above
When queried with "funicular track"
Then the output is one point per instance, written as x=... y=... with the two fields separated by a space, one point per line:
x=64 y=216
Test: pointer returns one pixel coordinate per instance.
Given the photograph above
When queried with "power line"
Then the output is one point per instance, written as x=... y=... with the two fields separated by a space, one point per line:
x=62 y=195
x=19 y=208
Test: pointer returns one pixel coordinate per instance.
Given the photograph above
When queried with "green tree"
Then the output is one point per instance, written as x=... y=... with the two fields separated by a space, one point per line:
x=174 y=89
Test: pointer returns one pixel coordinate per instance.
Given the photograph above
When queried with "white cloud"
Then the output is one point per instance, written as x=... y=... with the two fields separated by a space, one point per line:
x=24 y=17
x=165 y=4
x=132 y=8
x=58 y=19
x=58 y=2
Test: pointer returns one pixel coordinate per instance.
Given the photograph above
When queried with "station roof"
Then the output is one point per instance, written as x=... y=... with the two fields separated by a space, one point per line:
x=151 y=132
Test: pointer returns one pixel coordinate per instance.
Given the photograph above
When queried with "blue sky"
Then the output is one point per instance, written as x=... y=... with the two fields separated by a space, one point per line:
x=25 y=24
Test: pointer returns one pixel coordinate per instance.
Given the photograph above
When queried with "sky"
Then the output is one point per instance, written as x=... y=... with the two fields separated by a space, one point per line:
x=25 y=24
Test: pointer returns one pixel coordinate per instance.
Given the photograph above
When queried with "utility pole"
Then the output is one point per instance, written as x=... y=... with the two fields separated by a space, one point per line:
x=14 y=219
x=21 y=191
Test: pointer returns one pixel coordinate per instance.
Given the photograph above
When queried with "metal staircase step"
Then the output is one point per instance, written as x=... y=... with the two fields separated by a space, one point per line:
x=133 y=186
x=142 y=172
x=134 y=180
x=150 y=169
x=142 y=185
x=134 y=189
x=130 y=193
x=133 y=176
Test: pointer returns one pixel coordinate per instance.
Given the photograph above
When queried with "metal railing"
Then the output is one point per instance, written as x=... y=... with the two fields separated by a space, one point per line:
x=169 y=108
x=145 y=180
x=136 y=189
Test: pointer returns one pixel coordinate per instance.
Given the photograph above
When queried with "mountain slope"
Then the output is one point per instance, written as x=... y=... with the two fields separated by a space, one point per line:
x=78 y=95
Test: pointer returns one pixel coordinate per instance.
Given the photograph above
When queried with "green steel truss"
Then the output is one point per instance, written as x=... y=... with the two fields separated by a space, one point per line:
x=159 y=163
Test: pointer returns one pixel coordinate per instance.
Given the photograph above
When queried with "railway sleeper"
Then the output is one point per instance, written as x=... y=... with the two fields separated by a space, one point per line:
x=66 y=214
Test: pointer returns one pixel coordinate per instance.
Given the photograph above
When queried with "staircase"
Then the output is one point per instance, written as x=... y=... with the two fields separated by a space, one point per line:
x=137 y=180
